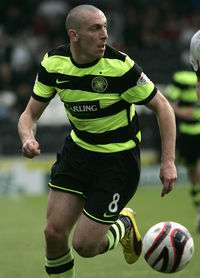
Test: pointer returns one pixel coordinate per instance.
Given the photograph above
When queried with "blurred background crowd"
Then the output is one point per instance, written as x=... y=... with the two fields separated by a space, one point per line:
x=155 y=33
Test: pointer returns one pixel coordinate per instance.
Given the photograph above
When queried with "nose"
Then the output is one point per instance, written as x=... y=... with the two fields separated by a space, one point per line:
x=104 y=33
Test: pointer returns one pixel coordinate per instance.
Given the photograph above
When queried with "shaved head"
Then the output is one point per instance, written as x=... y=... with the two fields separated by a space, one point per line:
x=87 y=31
x=77 y=15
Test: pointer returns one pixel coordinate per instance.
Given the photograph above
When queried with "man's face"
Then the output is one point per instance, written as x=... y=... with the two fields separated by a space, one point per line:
x=92 y=35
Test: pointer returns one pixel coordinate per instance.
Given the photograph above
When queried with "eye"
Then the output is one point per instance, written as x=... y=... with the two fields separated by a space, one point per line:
x=98 y=27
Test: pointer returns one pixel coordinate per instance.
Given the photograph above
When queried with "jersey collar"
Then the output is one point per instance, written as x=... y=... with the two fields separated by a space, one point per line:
x=86 y=65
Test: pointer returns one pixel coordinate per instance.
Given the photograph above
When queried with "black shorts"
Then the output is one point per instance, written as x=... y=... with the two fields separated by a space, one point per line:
x=188 y=147
x=106 y=181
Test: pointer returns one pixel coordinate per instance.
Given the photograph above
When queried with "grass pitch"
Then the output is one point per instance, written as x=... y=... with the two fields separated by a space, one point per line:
x=21 y=236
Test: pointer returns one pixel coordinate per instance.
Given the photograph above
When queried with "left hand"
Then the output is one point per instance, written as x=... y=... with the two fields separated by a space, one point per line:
x=168 y=176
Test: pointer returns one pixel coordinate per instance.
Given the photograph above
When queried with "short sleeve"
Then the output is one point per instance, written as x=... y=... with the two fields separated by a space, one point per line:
x=43 y=89
x=142 y=90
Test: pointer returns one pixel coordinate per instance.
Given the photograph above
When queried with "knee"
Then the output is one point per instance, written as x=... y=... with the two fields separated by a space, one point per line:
x=84 y=248
x=53 y=233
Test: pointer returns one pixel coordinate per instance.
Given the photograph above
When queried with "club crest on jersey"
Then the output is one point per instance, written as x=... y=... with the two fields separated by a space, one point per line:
x=99 y=84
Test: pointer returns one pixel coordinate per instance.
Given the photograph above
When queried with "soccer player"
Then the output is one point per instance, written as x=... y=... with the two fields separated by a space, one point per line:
x=98 y=168
x=195 y=58
x=183 y=97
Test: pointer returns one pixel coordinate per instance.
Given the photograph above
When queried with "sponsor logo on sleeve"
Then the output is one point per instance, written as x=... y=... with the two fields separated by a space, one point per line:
x=143 y=80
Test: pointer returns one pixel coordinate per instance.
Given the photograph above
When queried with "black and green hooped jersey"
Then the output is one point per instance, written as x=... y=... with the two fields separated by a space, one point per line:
x=98 y=97
x=183 y=92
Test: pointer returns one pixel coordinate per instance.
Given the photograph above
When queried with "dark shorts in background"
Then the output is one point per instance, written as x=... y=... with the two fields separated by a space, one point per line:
x=189 y=148
x=106 y=181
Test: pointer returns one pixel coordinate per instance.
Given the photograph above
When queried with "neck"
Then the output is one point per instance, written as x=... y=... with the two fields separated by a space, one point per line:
x=80 y=58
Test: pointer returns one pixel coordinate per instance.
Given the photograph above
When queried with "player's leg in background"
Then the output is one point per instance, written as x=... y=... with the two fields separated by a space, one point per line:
x=194 y=177
x=62 y=214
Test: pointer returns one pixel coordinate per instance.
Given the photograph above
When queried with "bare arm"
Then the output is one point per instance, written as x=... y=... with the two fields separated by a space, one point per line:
x=167 y=126
x=27 y=127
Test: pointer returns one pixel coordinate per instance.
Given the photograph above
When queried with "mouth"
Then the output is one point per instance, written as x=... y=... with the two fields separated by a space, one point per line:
x=102 y=47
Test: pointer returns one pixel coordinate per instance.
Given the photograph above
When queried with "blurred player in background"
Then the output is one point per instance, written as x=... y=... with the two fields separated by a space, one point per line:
x=183 y=97
x=195 y=58
x=97 y=171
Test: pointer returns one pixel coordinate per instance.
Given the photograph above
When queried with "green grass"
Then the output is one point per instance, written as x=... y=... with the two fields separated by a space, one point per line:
x=22 y=247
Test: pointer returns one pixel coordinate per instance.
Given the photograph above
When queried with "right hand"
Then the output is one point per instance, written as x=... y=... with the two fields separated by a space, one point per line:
x=30 y=148
x=168 y=176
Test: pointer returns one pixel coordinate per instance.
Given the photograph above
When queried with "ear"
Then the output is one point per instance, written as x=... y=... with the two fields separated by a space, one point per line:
x=73 y=36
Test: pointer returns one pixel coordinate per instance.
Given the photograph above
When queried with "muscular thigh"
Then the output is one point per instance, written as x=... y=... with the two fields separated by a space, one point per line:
x=89 y=232
x=63 y=210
